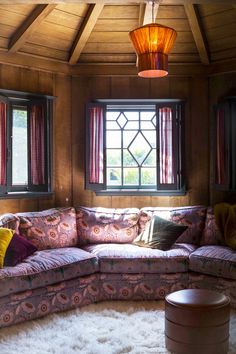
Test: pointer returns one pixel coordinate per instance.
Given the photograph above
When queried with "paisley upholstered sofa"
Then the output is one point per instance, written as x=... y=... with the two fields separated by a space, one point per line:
x=86 y=255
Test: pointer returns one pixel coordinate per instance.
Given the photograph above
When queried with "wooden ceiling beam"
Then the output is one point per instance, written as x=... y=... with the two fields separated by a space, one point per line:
x=31 y=24
x=85 y=31
x=31 y=62
x=198 y=34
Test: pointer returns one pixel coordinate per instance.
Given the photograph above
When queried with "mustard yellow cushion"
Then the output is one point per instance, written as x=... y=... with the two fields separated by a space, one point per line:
x=5 y=238
x=225 y=215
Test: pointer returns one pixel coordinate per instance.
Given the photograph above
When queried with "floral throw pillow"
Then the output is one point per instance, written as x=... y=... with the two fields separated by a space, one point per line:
x=9 y=221
x=106 y=225
x=53 y=228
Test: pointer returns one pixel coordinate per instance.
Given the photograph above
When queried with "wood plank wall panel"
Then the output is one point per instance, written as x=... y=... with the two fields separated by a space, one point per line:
x=193 y=89
x=22 y=79
x=220 y=86
x=198 y=143
x=62 y=141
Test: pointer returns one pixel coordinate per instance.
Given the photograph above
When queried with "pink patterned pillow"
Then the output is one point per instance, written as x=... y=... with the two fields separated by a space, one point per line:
x=10 y=221
x=211 y=234
x=53 y=228
x=106 y=225
x=191 y=216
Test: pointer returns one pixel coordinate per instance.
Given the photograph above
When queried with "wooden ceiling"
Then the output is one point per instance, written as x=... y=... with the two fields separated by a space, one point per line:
x=96 y=33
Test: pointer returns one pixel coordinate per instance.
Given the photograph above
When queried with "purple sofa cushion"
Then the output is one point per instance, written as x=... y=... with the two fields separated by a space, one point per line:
x=219 y=261
x=128 y=258
x=46 y=268
x=48 y=229
x=19 y=249
x=106 y=225
x=191 y=216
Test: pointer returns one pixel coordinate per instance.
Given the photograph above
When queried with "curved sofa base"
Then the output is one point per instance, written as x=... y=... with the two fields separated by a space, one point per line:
x=32 y=304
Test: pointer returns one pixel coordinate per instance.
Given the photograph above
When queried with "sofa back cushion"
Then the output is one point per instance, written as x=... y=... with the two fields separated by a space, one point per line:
x=106 y=225
x=191 y=216
x=10 y=221
x=211 y=234
x=53 y=228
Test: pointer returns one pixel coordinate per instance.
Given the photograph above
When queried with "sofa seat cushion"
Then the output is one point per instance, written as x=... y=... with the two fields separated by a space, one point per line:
x=129 y=258
x=106 y=225
x=219 y=261
x=49 y=229
x=47 y=267
x=191 y=216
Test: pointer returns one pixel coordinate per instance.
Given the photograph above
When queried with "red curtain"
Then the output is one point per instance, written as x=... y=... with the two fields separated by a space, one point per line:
x=3 y=119
x=166 y=146
x=37 y=144
x=221 y=176
x=96 y=145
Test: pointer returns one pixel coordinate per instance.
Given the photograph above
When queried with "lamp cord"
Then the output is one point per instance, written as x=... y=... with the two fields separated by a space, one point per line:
x=153 y=8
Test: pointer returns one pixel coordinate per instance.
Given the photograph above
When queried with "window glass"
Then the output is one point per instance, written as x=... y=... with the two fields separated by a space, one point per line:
x=136 y=140
x=19 y=146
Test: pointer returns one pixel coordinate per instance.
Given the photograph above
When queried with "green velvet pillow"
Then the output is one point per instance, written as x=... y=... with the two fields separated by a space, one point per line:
x=159 y=233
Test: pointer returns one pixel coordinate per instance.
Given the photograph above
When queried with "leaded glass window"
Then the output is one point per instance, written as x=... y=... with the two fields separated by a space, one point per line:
x=140 y=147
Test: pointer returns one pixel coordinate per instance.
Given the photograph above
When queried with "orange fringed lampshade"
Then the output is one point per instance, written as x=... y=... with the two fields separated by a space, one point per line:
x=153 y=43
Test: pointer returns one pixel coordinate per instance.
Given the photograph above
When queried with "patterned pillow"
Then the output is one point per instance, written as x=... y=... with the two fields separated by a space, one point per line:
x=53 y=228
x=191 y=216
x=211 y=234
x=106 y=225
x=9 y=221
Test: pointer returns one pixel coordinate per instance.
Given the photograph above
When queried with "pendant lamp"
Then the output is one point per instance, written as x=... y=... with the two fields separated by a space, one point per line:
x=152 y=43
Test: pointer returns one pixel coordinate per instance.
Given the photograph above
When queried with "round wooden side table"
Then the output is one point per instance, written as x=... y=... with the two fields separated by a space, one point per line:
x=197 y=322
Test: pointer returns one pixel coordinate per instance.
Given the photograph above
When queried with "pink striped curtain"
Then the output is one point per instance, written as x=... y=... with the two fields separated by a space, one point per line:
x=3 y=121
x=166 y=146
x=96 y=145
x=221 y=176
x=37 y=148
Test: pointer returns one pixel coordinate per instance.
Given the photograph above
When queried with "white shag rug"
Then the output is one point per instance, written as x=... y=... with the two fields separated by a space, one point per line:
x=106 y=328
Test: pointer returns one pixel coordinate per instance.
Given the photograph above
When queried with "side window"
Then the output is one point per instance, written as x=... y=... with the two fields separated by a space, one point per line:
x=133 y=147
x=25 y=154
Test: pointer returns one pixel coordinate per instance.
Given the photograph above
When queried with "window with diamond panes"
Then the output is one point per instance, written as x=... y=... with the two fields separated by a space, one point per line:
x=133 y=148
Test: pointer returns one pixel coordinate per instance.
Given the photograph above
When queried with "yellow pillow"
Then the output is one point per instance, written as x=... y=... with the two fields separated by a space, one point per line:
x=5 y=238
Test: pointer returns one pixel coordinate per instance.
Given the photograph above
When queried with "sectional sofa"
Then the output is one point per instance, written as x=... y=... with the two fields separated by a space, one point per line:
x=86 y=255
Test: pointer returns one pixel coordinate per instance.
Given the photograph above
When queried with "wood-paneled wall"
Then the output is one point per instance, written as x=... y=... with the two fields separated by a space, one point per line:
x=193 y=89
x=220 y=86
x=21 y=79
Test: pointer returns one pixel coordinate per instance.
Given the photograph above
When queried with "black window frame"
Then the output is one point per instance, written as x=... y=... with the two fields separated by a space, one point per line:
x=178 y=187
x=26 y=100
